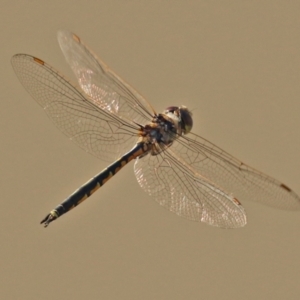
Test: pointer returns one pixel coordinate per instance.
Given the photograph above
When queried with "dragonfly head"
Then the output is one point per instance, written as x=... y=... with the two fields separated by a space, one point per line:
x=184 y=116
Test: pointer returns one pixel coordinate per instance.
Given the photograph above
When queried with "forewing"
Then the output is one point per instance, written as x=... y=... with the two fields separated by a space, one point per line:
x=233 y=175
x=105 y=88
x=92 y=128
x=180 y=189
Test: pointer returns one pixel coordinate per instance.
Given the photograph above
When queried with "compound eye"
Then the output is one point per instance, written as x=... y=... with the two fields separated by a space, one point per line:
x=186 y=119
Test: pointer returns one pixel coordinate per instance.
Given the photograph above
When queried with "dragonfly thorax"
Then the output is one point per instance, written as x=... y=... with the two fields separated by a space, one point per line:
x=165 y=128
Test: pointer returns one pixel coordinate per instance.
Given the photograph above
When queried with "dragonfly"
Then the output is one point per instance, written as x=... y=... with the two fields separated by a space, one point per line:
x=182 y=171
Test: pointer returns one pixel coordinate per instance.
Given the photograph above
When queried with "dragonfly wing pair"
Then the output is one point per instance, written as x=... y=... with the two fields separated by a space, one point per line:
x=224 y=170
x=95 y=130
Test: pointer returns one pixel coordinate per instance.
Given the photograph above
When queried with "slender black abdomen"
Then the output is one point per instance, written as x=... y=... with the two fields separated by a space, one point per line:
x=93 y=184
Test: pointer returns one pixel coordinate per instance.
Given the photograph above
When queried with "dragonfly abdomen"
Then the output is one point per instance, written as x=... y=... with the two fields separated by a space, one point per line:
x=94 y=184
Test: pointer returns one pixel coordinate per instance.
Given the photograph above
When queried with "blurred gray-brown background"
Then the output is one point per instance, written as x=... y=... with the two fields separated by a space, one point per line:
x=236 y=65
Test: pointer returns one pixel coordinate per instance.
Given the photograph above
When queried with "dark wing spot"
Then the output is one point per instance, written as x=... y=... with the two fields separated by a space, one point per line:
x=237 y=201
x=39 y=61
x=285 y=187
x=76 y=38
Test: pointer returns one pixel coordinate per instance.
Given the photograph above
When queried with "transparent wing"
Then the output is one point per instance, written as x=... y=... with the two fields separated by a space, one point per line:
x=97 y=131
x=180 y=189
x=233 y=175
x=106 y=89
